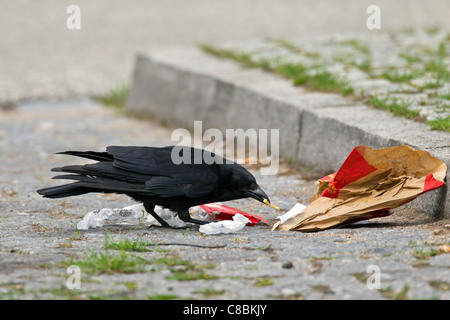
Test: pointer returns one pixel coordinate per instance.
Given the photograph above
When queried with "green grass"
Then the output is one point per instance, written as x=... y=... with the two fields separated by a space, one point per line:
x=325 y=81
x=191 y=275
x=62 y=292
x=209 y=292
x=395 y=106
x=445 y=95
x=438 y=68
x=434 y=84
x=243 y=58
x=130 y=285
x=432 y=30
x=390 y=294
x=396 y=75
x=436 y=63
x=442 y=124
x=263 y=282
x=116 y=97
x=106 y=262
x=185 y=270
x=163 y=297
x=357 y=45
x=365 y=65
x=298 y=73
x=283 y=43
x=423 y=254
x=442 y=50
x=409 y=58
x=431 y=63
x=173 y=261
x=126 y=244
x=294 y=71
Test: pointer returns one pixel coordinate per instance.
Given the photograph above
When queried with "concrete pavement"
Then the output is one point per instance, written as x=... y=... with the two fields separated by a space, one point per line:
x=39 y=239
x=40 y=57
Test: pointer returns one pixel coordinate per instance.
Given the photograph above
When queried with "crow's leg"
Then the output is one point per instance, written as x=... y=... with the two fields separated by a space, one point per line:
x=150 y=208
x=186 y=217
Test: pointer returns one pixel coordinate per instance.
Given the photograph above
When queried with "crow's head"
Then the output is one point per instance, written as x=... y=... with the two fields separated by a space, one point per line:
x=244 y=185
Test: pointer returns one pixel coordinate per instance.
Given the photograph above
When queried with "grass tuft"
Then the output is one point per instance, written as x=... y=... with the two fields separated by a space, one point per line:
x=395 y=106
x=116 y=97
x=325 y=81
x=99 y=263
x=396 y=75
x=442 y=124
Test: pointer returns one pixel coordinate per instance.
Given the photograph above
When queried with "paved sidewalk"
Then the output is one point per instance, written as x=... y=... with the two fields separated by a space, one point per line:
x=40 y=60
x=40 y=57
x=38 y=237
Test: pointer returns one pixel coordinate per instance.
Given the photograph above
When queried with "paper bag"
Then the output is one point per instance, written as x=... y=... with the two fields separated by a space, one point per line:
x=368 y=184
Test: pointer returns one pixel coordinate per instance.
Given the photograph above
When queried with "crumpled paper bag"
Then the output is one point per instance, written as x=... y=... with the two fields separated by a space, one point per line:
x=368 y=184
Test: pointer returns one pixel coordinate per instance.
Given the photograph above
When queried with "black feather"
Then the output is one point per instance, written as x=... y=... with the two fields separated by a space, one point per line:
x=98 y=156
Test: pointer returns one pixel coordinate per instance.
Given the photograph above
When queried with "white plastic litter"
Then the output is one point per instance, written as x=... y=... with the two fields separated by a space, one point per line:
x=225 y=226
x=136 y=215
x=199 y=213
x=94 y=219
x=169 y=216
x=131 y=215
x=294 y=210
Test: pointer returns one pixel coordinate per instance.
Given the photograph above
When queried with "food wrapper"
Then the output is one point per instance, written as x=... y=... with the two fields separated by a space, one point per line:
x=222 y=212
x=368 y=184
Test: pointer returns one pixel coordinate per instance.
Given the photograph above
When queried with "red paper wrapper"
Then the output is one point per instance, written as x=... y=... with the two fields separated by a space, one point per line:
x=222 y=212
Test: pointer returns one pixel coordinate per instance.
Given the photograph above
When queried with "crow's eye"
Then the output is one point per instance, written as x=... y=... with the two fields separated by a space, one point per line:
x=252 y=186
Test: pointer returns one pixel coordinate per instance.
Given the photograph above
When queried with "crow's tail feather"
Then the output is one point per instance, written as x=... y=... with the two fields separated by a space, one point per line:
x=87 y=184
x=98 y=156
x=67 y=190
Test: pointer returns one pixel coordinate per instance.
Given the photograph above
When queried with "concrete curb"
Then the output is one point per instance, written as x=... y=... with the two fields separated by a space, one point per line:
x=180 y=85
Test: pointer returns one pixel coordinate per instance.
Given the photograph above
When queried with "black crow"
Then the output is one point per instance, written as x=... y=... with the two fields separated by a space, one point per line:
x=151 y=176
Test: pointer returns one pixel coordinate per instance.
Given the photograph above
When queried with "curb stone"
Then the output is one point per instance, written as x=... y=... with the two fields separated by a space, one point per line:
x=183 y=84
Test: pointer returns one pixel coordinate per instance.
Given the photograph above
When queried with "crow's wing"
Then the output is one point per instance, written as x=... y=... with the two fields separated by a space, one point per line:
x=164 y=177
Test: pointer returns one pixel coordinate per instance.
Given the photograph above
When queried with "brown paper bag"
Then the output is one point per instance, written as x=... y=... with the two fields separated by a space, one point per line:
x=368 y=184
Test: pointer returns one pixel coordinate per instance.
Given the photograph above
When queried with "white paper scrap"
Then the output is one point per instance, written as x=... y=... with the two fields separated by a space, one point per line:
x=294 y=211
x=225 y=226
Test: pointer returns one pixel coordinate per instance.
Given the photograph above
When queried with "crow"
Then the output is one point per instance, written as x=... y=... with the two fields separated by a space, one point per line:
x=156 y=176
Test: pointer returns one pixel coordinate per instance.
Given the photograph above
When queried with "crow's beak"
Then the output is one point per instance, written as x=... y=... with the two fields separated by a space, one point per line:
x=261 y=196
x=266 y=201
